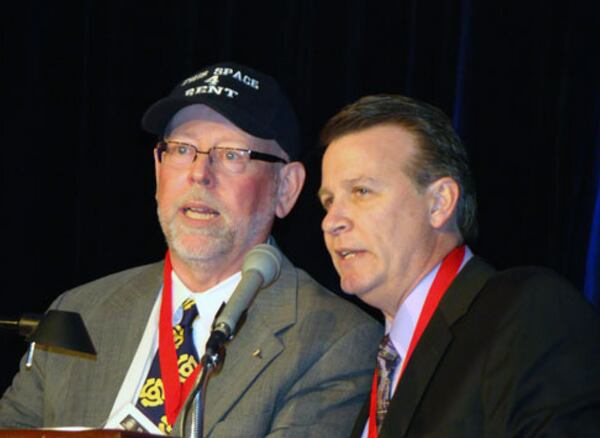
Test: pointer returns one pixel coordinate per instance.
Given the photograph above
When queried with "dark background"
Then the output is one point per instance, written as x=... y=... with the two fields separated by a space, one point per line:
x=519 y=78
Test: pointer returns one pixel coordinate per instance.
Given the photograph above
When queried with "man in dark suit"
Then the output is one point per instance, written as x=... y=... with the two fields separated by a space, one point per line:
x=468 y=351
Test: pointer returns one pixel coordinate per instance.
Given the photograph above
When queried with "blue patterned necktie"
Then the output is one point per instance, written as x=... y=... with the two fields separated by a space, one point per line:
x=387 y=361
x=151 y=401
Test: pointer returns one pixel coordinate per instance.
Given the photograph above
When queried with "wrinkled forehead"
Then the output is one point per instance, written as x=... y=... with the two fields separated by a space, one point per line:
x=201 y=112
x=197 y=112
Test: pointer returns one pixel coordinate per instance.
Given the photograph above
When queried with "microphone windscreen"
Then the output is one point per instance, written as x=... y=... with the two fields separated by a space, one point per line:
x=265 y=259
x=260 y=268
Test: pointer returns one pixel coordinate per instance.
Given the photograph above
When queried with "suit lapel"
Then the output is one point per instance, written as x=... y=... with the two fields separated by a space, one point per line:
x=273 y=310
x=431 y=348
x=361 y=420
x=129 y=307
x=417 y=375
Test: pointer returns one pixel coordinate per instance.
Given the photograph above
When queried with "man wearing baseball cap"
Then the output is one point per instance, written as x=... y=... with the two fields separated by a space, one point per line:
x=300 y=364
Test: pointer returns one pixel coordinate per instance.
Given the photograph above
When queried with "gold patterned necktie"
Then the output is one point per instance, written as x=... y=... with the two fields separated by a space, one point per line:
x=387 y=361
x=151 y=401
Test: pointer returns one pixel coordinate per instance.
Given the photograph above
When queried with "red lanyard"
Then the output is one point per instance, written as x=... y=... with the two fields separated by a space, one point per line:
x=441 y=282
x=175 y=392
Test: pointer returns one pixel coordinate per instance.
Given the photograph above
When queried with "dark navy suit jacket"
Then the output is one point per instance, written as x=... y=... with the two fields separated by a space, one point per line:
x=506 y=354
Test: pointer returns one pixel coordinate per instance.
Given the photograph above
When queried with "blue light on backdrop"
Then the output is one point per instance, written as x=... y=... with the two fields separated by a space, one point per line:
x=592 y=269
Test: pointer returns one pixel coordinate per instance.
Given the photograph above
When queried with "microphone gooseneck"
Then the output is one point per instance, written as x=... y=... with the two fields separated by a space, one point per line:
x=260 y=268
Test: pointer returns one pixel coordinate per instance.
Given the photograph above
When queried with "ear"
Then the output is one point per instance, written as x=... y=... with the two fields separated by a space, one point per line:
x=291 y=180
x=156 y=168
x=443 y=197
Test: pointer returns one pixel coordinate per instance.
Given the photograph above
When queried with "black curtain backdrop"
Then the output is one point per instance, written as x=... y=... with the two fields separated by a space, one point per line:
x=519 y=78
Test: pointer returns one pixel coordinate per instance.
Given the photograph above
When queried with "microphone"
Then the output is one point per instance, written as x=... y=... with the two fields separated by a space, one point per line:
x=260 y=268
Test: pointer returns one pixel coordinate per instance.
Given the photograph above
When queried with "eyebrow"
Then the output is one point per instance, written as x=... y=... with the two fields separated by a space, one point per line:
x=361 y=179
x=351 y=182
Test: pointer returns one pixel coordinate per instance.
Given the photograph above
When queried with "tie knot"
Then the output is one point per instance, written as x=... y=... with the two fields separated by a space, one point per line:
x=387 y=353
x=190 y=312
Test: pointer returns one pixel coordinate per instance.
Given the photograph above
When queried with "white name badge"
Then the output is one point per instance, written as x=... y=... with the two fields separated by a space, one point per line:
x=131 y=419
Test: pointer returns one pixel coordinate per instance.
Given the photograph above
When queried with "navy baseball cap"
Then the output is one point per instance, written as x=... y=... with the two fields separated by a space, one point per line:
x=251 y=100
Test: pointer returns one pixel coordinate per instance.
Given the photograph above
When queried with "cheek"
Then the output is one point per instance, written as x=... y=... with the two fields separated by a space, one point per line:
x=408 y=233
x=248 y=197
x=169 y=188
x=388 y=229
x=328 y=244
x=379 y=224
x=163 y=188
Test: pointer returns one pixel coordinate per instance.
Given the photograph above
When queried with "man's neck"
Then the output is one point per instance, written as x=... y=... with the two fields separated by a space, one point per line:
x=435 y=255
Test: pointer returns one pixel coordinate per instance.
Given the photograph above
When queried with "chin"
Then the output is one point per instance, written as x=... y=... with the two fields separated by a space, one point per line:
x=364 y=287
x=199 y=250
x=353 y=286
x=202 y=244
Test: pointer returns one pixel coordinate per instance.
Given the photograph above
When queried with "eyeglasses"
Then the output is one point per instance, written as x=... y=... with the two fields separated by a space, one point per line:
x=230 y=157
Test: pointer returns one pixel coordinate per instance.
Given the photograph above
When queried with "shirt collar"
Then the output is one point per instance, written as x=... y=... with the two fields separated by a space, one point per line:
x=208 y=301
x=402 y=327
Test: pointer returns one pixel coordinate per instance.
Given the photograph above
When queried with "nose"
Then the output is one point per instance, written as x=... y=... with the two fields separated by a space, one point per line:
x=201 y=170
x=336 y=221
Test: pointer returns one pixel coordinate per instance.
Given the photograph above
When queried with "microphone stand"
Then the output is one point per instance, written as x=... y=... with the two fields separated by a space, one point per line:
x=194 y=404
x=260 y=267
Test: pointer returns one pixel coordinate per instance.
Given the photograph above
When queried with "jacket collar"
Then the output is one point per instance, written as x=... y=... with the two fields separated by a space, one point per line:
x=127 y=307
x=430 y=350
x=273 y=310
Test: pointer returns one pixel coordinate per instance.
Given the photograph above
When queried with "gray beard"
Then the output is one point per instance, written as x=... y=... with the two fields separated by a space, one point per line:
x=221 y=243
x=221 y=240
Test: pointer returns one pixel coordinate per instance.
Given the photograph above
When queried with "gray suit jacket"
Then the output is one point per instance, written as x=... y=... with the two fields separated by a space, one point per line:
x=314 y=371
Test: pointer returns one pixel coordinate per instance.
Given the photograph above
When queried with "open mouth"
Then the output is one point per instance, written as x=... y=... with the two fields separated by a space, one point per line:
x=346 y=254
x=200 y=213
